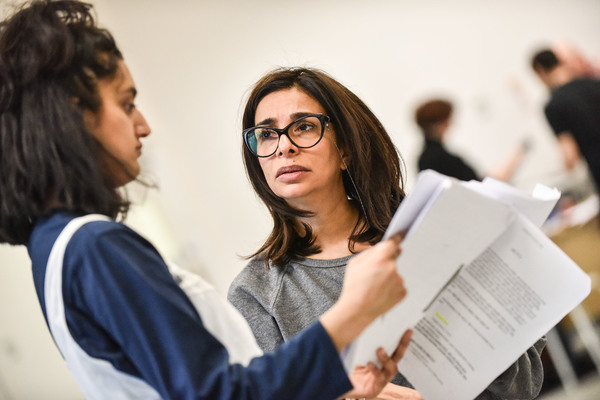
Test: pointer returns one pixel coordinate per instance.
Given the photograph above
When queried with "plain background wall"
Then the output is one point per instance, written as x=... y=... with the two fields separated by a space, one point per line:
x=195 y=61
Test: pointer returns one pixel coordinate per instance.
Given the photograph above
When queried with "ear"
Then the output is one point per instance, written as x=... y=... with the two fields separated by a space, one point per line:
x=345 y=159
x=91 y=120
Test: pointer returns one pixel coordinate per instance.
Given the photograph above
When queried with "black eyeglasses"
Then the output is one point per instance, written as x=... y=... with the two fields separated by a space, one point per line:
x=304 y=133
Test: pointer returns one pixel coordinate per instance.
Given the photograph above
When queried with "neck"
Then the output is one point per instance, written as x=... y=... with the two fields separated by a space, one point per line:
x=558 y=77
x=436 y=132
x=332 y=224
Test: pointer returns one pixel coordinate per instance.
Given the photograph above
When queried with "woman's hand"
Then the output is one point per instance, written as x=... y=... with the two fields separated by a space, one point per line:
x=368 y=381
x=371 y=287
x=371 y=282
x=395 y=392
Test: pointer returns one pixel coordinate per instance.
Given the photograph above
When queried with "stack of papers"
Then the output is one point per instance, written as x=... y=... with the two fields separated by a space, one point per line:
x=484 y=284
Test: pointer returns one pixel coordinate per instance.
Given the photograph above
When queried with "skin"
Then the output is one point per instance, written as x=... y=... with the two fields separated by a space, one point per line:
x=371 y=288
x=311 y=178
x=569 y=150
x=375 y=265
x=119 y=126
x=317 y=171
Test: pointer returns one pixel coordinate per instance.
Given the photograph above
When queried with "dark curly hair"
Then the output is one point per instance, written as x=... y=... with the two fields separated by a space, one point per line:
x=373 y=180
x=52 y=55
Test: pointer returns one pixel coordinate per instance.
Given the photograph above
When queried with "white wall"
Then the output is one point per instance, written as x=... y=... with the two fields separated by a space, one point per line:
x=194 y=61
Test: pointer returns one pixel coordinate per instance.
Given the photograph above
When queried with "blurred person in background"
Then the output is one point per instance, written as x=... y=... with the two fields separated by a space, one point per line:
x=434 y=118
x=573 y=110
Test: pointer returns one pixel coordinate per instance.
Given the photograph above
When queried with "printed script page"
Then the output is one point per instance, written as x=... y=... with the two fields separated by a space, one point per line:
x=484 y=283
x=438 y=241
x=491 y=312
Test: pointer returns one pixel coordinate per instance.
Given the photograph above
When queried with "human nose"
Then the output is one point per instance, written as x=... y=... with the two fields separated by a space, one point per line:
x=142 y=129
x=285 y=144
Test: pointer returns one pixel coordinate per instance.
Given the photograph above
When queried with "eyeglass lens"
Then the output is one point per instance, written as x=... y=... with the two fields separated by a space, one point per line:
x=305 y=132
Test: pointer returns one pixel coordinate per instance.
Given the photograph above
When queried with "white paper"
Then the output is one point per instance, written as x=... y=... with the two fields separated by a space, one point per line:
x=491 y=313
x=536 y=207
x=466 y=333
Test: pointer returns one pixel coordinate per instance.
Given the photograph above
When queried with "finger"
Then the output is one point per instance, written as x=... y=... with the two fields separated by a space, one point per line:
x=392 y=247
x=402 y=346
x=359 y=369
x=372 y=368
x=401 y=287
x=398 y=237
x=388 y=365
x=382 y=355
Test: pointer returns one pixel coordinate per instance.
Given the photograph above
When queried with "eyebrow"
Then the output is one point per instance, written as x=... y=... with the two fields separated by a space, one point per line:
x=132 y=90
x=127 y=91
x=294 y=116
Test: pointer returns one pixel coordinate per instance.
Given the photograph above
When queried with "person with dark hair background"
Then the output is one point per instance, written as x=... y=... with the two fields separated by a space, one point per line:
x=434 y=118
x=128 y=325
x=331 y=177
x=573 y=110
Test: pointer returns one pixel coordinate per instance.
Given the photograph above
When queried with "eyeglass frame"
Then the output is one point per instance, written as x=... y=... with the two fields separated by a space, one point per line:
x=323 y=119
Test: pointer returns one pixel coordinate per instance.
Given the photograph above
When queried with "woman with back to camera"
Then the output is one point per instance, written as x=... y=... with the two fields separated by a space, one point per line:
x=70 y=137
x=331 y=177
x=434 y=118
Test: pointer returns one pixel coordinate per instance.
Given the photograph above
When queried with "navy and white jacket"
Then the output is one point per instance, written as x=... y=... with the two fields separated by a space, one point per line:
x=131 y=328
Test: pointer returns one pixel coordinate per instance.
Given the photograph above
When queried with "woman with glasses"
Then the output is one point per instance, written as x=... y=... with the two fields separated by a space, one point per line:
x=331 y=177
x=128 y=326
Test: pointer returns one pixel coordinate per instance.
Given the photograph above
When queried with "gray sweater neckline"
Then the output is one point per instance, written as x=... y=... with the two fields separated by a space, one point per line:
x=317 y=263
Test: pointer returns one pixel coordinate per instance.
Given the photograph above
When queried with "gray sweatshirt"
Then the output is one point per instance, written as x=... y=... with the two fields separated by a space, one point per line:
x=280 y=302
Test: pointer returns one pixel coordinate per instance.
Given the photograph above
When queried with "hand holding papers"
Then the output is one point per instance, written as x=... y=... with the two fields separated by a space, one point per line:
x=484 y=284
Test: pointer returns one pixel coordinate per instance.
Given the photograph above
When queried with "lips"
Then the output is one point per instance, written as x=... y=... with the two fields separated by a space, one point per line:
x=290 y=169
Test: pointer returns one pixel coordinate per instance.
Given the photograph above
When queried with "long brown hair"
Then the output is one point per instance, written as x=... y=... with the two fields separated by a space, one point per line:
x=373 y=180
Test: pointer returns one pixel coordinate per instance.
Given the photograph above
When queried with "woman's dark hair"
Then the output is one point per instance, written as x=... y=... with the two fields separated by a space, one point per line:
x=545 y=60
x=52 y=55
x=431 y=113
x=373 y=180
